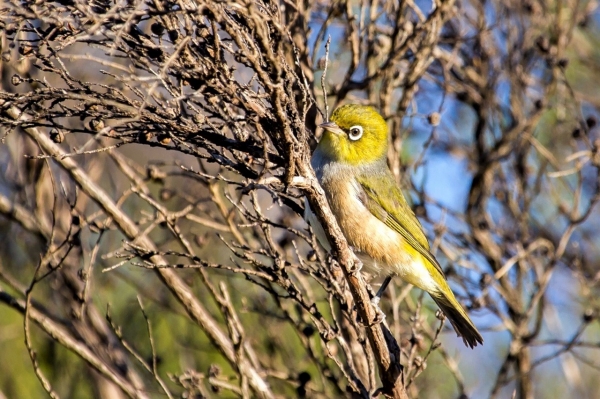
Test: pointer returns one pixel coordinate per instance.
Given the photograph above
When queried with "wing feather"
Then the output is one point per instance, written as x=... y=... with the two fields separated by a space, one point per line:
x=383 y=198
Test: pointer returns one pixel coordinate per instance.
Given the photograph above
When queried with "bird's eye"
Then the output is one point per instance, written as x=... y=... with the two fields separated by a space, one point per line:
x=355 y=132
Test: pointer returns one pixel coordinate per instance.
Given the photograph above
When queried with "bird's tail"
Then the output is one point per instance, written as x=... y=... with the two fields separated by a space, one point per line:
x=458 y=317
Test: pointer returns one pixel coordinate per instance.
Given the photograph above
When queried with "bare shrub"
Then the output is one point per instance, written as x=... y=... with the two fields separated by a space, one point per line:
x=155 y=159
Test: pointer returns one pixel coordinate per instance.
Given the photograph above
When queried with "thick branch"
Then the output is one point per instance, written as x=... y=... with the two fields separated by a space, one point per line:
x=385 y=347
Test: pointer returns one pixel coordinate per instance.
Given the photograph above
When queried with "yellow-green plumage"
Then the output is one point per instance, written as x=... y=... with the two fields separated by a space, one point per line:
x=350 y=163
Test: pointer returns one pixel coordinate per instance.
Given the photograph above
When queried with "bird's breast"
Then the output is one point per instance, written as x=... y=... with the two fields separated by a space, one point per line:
x=380 y=247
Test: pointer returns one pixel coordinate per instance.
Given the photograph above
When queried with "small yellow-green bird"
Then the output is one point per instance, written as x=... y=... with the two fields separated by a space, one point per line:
x=350 y=163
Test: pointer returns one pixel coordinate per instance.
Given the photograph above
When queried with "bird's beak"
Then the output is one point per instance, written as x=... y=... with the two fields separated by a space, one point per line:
x=332 y=127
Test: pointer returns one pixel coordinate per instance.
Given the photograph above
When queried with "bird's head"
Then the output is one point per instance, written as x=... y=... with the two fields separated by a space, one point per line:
x=356 y=134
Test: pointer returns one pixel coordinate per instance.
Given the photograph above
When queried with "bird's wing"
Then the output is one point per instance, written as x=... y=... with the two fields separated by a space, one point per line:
x=383 y=198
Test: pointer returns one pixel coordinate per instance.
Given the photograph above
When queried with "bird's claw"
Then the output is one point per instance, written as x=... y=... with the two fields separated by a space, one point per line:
x=379 y=315
x=329 y=258
x=357 y=265
x=375 y=301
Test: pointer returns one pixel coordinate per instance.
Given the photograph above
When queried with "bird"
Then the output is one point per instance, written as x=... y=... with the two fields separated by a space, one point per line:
x=350 y=163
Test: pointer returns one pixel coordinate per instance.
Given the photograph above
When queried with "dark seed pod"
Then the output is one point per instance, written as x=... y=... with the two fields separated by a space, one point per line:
x=57 y=136
x=434 y=118
x=96 y=125
x=157 y=28
x=16 y=80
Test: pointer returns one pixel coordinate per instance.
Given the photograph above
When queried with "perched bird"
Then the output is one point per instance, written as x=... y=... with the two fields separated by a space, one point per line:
x=350 y=163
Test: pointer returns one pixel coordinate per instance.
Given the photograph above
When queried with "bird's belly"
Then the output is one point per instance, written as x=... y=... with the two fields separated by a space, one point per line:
x=381 y=249
x=385 y=252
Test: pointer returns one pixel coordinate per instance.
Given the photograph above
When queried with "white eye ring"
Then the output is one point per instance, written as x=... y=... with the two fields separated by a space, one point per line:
x=355 y=132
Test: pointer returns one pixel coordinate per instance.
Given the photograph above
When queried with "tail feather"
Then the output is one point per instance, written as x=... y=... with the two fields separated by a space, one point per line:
x=459 y=319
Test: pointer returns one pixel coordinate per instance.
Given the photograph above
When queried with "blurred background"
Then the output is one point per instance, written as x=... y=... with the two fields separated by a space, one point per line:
x=153 y=245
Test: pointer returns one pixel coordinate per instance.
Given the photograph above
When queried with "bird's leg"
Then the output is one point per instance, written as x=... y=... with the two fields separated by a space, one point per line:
x=384 y=285
x=379 y=315
x=371 y=291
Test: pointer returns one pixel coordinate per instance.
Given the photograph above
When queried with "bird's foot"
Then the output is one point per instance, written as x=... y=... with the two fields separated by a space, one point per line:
x=375 y=301
x=330 y=258
x=357 y=265
x=379 y=315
